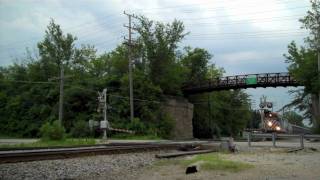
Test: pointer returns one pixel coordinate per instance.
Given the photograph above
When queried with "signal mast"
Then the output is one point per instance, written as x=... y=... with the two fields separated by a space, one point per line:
x=266 y=109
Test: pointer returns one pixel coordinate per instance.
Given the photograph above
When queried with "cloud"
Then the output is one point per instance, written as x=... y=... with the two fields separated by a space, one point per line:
x=242 y=57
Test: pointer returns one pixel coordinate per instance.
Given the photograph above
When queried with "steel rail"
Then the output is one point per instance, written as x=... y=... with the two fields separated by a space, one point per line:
x=77 y=146
x=46 y=154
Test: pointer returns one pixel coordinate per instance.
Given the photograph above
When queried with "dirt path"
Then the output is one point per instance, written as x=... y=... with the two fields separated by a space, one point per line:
x=271 y=165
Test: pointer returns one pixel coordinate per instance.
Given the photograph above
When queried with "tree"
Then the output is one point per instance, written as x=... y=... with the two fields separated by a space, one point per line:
x=220 y=113
x=303 y=64
x=56 y=47
x=196 y=62
x=158 y=43
x=293 y=118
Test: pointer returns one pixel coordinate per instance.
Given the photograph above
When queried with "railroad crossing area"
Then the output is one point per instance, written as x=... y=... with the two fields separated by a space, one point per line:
x=137 y=159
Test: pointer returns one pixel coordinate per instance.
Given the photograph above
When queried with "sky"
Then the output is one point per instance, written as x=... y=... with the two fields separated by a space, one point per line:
x=244 y=36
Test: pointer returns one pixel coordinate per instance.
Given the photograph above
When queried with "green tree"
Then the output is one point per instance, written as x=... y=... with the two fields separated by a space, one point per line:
x=303 y=65
x=294 y=118
x=158 y=45
x=196 y=62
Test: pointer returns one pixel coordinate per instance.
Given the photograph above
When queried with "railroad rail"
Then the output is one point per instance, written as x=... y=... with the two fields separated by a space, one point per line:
x=282 y=79
x=274 y=136
x=62 y=153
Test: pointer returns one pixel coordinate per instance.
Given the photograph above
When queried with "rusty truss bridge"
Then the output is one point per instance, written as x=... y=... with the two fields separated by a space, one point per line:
x=241 y=82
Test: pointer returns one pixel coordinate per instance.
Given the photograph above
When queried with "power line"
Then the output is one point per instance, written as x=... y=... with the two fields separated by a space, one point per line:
x=251 y=32
x=246 y=37
x=81 y=25
x=247 y=20
x=195 y=4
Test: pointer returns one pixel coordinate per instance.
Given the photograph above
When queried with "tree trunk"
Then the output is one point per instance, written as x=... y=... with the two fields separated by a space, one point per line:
x=315 y=111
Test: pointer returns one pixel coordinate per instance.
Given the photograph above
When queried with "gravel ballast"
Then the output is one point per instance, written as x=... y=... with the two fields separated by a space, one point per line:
x=113 y=167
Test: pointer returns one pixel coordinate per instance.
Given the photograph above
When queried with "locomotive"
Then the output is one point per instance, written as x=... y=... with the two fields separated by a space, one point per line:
x=273 y=122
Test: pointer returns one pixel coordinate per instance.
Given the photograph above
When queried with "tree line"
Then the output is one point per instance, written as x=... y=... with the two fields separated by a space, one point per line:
x=29 y=90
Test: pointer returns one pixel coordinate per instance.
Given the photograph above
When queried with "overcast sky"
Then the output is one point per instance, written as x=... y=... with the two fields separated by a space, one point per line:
x=244 y=36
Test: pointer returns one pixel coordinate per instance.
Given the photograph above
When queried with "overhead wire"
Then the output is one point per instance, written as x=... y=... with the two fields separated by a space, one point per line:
x=81 y=25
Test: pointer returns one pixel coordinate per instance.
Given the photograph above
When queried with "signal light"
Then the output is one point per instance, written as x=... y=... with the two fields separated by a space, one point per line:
x=268 y=114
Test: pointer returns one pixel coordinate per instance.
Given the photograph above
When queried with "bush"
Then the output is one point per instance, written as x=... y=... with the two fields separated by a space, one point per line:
x=166 y=126
x=80 y=129
x=137 y=126
x=52 y=131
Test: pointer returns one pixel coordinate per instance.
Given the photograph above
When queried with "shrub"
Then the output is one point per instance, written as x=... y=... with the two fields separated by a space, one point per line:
x=137 y=126
x=80 y=129
x=166 y=126
x=52 y=131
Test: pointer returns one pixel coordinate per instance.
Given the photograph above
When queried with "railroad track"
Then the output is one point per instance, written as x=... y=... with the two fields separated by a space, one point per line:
x=62 y=153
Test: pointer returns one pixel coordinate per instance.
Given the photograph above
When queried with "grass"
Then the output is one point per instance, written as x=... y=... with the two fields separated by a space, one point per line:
x=211 y=161
x=50 y=143
x=134 y=137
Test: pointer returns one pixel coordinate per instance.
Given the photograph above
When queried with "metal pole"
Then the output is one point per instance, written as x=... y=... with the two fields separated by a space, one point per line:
x=105 y=113
x=274 y=139
x=301 y=141
x=61 y=94
x=249 y=139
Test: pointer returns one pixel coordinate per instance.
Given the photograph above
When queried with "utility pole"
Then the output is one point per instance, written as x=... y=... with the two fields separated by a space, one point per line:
x=130 y=44
x=319 y=79
x=317 y=106
x=61 y=78
x=61 y=94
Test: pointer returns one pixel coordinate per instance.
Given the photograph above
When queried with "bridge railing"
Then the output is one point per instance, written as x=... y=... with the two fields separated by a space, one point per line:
x=244 y=81
x=274 y=136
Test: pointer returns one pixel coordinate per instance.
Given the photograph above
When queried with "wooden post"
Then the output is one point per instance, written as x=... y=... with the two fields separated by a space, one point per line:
x=274 y=139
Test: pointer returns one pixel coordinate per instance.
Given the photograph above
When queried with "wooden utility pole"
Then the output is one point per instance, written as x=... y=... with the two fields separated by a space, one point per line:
x=130 y=44
x=319 y=79
x=61 y=94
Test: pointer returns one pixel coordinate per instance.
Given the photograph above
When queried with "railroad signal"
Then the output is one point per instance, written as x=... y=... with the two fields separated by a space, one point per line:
x=268 y=114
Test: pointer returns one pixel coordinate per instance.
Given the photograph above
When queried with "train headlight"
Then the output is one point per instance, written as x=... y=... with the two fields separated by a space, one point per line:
x=269 y=123
x=278 y=128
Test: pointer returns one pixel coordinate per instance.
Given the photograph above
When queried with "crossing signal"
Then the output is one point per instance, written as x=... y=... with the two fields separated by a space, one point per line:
x=268 y=114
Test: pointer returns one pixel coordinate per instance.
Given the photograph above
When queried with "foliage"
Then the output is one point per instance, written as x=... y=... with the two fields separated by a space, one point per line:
x=52 y=143
x=255 y=120
x=220 y=113
x=80 y=129
x=165 y=126
x=137 y=126
x=303 y=66
x=311 y=22
x=52 y=131
x=160 y=69
x=293 y=118
x=157 y=46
